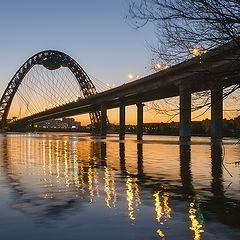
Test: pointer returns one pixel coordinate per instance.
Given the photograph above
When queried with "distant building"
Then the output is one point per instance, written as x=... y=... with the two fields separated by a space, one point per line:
x=71 y=123
x=65 y=123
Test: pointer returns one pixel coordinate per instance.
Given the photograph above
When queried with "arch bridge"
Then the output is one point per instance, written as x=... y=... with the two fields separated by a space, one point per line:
x=51 y=60
x=214 y=71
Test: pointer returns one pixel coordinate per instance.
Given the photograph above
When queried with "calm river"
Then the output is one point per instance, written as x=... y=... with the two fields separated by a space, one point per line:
x=74 y=186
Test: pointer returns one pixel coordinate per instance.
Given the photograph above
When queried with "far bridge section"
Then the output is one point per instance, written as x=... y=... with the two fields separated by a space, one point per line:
x=214 y=70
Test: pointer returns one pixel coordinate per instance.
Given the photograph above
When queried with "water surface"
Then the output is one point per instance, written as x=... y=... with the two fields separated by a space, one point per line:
x=74 y=186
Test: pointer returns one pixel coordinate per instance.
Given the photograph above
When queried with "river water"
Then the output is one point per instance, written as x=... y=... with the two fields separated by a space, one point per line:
x=75 y=186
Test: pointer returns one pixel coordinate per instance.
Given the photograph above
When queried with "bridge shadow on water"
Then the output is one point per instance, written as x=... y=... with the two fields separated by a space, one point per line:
x=52 y=176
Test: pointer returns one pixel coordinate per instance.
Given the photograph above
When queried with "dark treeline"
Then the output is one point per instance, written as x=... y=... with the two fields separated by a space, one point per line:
x=231 y=128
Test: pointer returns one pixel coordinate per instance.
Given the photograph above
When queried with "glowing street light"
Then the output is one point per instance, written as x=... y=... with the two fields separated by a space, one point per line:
x=90 y=90
x=130 y=76
x=166 y=66
x=195 y=51
x=158 y=66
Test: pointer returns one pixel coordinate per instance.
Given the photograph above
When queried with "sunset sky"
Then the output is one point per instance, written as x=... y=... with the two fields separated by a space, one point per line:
x=95 y=33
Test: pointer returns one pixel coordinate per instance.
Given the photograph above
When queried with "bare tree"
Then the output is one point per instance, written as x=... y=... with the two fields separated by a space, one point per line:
x=185 y=28
x=184 y=25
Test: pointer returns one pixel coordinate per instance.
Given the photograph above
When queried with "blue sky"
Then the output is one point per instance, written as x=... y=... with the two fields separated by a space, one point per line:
x=93 y=32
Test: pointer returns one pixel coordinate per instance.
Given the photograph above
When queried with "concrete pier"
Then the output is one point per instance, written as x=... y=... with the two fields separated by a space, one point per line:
x=122 y=157
x=185 y=169
x=140 y=159
x=139 y=121
x=185 y=114
x=216 y=113
x=122 y=114
x=103 y=131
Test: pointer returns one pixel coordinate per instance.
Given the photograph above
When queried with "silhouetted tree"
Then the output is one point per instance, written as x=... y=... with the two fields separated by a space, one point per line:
x=185 y=28
x=183 y=25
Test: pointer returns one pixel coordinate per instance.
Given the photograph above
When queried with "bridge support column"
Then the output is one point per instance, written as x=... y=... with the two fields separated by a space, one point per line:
x=185 y=114
x=103 y=121
x=139 y=121
x=122 y=121
x=216 y=112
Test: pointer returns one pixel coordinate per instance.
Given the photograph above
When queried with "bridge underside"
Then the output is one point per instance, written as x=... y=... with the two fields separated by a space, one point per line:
x=215 y=70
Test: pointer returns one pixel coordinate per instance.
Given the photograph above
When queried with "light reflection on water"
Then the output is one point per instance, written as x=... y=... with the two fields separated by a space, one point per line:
x=91 y=188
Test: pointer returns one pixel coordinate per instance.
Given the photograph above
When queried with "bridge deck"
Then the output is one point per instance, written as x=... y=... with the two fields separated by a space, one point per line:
x=219 y=66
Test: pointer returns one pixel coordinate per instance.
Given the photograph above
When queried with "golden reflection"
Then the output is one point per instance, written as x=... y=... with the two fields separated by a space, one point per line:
x=66 y=163
x=138 y=200
x=29 y=151
x=57 y=156
x=44 y=157
x=133 y=196
x=158 y=207
x=113 y=189
x=162 y=209
x=82 y=178
x=130 y=198
x=196 y=226
x=107 y=187
x=167 y=209
x=50 y=157
x=95 y=174
x=90 y=184
x=75 y=164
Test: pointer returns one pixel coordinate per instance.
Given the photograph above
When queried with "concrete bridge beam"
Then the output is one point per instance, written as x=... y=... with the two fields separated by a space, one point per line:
x=185 y=113
x=216 y=112
x=139 y=121
x=122 y=117
x=103 y=130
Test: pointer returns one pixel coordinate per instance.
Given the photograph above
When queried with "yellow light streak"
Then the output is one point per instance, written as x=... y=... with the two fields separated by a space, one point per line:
x=90 y=184
x=77 y=171
x=57 y=156
x=196 y=226
x=113 y=189
x=167 y=209
x=107 y=188
x=160 y=233
x=158 y=207
x=95 y=174
x=66 y=164
x=130 y=196
x=44 y=157
x=50 y=157
x=137 y=191
x=81 y=178
x=162 y=209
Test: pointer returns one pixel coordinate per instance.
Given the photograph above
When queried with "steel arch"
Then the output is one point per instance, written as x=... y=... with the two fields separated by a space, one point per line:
x=51 y=59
